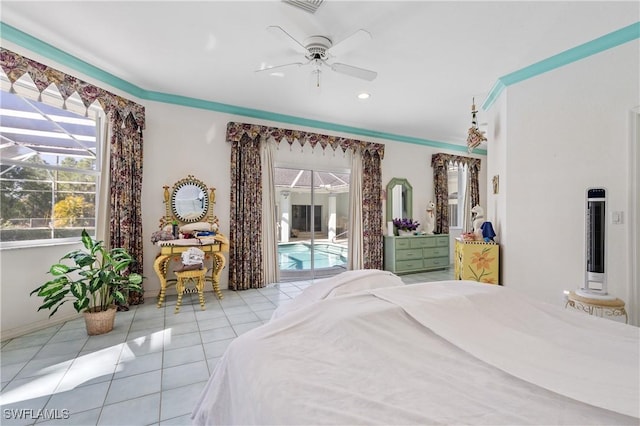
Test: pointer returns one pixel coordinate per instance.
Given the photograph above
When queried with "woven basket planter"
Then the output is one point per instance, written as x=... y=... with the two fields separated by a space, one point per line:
x=100 y=322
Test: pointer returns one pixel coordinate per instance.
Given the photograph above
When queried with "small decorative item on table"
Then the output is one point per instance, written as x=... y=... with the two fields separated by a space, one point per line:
x=405 y=226
x=174 y=229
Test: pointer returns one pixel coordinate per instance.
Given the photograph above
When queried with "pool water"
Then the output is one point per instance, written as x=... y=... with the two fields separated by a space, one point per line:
x=297 y=256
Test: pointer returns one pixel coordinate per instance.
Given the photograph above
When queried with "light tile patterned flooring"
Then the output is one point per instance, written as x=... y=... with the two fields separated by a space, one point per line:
x=148 y=371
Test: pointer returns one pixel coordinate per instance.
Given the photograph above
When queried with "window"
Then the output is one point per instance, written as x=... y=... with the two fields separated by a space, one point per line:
x=49 y=165
x=301 y=218
x=456 y=183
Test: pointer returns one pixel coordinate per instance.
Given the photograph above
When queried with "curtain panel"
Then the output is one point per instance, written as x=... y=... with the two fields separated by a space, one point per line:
x=126 y=121
x=440 y=163
x=246 y=195
x=245 y=235
x=125 y=183
x=372 y=210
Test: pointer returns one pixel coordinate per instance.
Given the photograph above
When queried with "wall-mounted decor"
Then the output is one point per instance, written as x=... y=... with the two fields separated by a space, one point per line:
x=495 y=181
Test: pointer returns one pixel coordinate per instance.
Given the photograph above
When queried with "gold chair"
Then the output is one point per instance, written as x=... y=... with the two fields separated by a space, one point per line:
x=197 y=277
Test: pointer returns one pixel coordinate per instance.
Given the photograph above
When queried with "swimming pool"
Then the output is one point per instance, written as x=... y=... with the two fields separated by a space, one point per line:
x=297 y=256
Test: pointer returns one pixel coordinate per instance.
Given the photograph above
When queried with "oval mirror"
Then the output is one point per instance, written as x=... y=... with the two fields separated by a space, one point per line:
x=189 y=200
x=399 y=199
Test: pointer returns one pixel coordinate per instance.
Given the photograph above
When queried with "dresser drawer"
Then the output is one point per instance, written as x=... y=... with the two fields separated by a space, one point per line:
x=442 y=241
x=408 y=254
x=402 y=243
x=421 y=242
x=408 y=265
x=435 y=252
x=436 y=262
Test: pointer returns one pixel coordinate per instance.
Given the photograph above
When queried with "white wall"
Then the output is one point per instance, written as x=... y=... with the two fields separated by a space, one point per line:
x=565 y=131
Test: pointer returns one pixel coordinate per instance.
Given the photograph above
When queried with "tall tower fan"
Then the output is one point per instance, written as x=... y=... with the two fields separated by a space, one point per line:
x=595 y=282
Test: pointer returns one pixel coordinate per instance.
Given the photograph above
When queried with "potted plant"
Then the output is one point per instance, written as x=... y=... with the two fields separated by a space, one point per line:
x=405 y=226
x=94 y=278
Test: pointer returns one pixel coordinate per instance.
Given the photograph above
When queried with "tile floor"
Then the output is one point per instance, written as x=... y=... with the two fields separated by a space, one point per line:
x=148 y=371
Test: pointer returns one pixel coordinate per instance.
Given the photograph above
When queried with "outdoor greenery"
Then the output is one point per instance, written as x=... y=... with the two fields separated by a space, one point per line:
x=35 y=199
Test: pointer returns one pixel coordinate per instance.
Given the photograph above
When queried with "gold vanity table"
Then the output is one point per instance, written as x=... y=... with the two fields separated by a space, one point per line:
x=189 y=205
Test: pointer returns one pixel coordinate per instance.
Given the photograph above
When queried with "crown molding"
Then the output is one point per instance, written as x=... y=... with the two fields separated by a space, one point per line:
x=600 y=44
x=605 y=42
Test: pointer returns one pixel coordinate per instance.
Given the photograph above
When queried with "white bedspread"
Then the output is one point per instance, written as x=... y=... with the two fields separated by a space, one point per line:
x=345 y=283
x=447 y=352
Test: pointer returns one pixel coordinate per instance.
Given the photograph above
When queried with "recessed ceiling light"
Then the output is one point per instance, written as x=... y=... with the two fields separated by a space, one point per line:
x=363 y=95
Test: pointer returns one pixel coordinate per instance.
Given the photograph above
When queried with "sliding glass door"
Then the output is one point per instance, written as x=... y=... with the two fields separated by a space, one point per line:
x=312 y=212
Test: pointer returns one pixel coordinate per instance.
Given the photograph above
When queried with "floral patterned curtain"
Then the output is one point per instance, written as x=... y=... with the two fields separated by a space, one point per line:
x=245 y=256
x=125 y=182
x=235 y=131
x=372 y=210
x=245 y=235
x=15 y=66
x=440 y=163
x=126 y=121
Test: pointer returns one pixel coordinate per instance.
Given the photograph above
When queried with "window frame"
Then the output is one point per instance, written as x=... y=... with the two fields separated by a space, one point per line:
x=461 y=181
x=27 y=89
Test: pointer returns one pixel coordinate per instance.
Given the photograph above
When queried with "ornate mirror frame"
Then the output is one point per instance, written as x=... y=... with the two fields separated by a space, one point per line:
x=407 y=198
x=188 y=201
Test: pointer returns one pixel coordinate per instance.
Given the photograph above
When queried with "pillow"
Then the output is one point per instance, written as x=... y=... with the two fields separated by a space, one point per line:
x=198 y=226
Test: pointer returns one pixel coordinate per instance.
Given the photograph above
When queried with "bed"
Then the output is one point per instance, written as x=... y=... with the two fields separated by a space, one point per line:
x=362 y=348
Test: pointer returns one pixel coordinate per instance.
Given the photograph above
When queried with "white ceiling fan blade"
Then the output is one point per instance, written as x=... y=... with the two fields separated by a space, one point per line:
x=282 y=34
x=270 y=68
x=350 y=43
x=354 y=71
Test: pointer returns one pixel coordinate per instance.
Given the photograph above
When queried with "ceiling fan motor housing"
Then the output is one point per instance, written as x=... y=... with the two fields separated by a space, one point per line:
x=317 y=47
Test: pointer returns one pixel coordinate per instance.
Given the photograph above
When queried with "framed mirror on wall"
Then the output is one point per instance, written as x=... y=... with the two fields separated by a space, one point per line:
x=188 y=201
x=399 y=199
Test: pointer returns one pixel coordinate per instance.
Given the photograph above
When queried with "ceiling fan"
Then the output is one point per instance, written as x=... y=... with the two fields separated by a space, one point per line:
x=318 y=50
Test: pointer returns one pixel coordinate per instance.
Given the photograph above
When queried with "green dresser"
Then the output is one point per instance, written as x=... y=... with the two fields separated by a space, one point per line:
x=416 y=253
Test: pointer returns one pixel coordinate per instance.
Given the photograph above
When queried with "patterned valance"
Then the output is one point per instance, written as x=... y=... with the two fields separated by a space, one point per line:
x=235 y=132
x=442 y=160
x=15 y=66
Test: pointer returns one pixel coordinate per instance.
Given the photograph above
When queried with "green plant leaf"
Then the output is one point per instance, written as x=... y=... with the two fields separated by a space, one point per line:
x=81 y=304
x=84 y=259
x=95 y=284
x=57 y=307
x=58 y=269
x=79 y=289
x=135 y=279
x=58 y=295
x=47 y=305
x=53 y=286
x=119 y=297
x=87 y=241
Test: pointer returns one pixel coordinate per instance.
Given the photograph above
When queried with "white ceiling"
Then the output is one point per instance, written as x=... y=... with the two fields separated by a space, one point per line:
x=431 y=57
